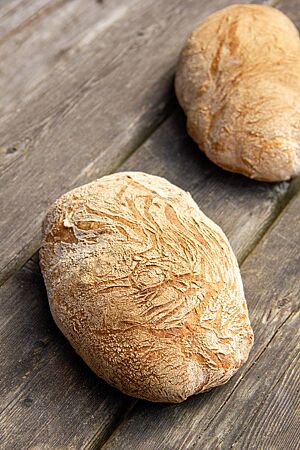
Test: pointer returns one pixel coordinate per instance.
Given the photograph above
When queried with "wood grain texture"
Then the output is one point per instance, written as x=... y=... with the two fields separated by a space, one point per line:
x=277 y=423
x=94 y=109
x=34 y=51
x=18 y=14
x=220 y=418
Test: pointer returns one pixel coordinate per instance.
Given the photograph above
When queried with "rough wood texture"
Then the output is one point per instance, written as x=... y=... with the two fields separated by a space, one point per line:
x=17 y=14
x=223 y=418
x=36 y=47
x=92 y=111
x=277 y=422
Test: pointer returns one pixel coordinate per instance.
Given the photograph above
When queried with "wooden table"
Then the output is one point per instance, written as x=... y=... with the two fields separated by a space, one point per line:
x=87 y=89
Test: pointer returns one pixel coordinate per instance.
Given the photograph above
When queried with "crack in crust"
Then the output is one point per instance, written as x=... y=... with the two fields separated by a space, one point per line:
x=237 y=80
x=145 y=287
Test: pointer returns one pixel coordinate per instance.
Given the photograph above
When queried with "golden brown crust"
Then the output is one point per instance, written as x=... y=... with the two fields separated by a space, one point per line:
x=238 y=82
x=145 y=287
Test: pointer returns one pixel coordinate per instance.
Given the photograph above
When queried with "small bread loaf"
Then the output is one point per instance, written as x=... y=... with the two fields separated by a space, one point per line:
x=238 y=81
x=145 y=287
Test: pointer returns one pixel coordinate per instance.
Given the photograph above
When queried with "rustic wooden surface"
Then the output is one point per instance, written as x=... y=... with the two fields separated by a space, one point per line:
x=87 y=89
x=55 y=27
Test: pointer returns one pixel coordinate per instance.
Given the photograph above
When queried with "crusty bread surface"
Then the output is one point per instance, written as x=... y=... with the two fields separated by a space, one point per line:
x=145 y=287
x=237 y=80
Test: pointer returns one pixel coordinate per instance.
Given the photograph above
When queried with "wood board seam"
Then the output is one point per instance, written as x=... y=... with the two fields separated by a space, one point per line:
x=143 y=138
x=267 y=396
x=97 y=442
x=17 y=263
x=280 y=208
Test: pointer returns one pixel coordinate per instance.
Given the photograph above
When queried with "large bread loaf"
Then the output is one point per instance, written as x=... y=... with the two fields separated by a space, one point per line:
x=238 y=82
x=145 y=287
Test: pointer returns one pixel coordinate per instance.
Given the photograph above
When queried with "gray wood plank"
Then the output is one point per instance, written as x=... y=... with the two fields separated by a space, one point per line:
x=93 y=110
x=220 y=418
x=277 y=423
x=33 y=51
x=17 y=14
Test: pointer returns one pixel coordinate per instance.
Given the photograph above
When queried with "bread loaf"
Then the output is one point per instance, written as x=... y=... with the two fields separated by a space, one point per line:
x=238 y=82
x=145 y=287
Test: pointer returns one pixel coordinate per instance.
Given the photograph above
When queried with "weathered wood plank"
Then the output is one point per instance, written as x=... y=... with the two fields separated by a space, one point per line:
x=220 y=418
x=17 y=14
x=277 y=423
x=32 y=52
x=97 y=105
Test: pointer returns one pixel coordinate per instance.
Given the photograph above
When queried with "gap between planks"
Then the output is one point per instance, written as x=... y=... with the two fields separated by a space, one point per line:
x=49 y=41
x=98 y=441
x=282 y=204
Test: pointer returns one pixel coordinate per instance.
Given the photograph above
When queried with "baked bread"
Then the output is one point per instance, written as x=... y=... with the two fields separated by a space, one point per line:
x=145 y=287
x=238 y=81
